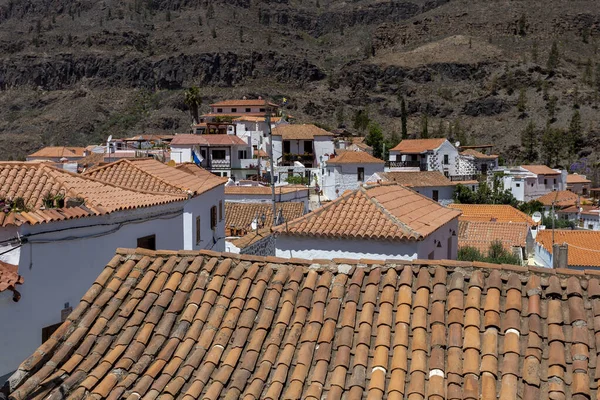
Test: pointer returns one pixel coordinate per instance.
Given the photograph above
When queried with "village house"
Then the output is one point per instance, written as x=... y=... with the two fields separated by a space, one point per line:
x=432 y=184
x=222 y=154
x=351 y=143
x=582 y=216
x=243 y=218
x=559 y=199
x=579 y=184
x=56 y=230
x=348 y=171
x=300 y=150
x=58 y=154
x=491 y=212
x=528 y=182
x=515 y=237
x=264 y=194
x=583 y=248
x=203 y=215
x=474 y=163
x=194 y=325
x=378 y=222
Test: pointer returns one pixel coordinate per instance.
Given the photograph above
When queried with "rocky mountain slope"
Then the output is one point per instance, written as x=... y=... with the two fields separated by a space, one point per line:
x=75 y=71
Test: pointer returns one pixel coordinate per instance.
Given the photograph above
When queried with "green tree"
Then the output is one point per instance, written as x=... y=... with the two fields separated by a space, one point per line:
x=424 y=127
x=553 y=57
x=441 y=129
x=530 y=142
x=522 y=25
x=575 y=134
x=404 y=118
x=361 y=120
x=394 y=140
x=375 y=139
x=193 y=100
x=339 y=116
x=522 y=102
x=552 y=143
x=551 y=107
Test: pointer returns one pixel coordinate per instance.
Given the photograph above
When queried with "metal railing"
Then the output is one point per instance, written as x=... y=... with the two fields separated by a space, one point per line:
x=406 y=164
x=461 y=178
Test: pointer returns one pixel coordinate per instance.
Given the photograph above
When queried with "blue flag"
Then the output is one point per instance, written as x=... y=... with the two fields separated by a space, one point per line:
x=196 y=159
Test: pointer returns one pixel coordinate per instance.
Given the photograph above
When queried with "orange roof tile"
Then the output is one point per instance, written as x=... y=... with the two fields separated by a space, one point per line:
x=417 y=179
x=491 y=212
x=264 y=190
x=562 y=198
x=241 y=215
x=576 y=178
x=586 y=209
x=253 y=118
x=376 y=212
x=9 y=276
x=540 y=170
x=417 y=146
x=244 y=103
x=583 y=246
x=154 y=176
x=354 y=157
x=59 y=152
x=251 y=238
x=299 y=131
x=191 y=325
x=33 y=181
x=478 y=154
x=481 y=234
x=207 y=140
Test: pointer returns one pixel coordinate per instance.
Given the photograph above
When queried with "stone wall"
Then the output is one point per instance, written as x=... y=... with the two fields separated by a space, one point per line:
x=263 y=247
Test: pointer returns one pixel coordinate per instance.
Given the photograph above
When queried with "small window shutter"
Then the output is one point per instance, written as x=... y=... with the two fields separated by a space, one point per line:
x=221 y=210
x=198 y=230
x=213 y=217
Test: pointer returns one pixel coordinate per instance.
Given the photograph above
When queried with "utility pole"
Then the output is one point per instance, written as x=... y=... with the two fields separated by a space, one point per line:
x=271 y=160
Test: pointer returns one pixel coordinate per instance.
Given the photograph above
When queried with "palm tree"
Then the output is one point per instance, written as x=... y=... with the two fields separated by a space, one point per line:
x=193 y=101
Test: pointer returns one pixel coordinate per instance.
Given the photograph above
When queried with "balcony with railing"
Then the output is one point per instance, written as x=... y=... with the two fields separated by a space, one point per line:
x=407 y=164
x=288 y=159
x=216 y=164
x=463 y=178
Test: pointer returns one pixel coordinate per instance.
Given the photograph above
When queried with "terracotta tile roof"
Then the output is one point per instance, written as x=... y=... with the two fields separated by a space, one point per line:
x=251 y=238
x=576 y=178
x=201 y=325
x=252 y=118
x=33 y=181
x=260 y=153
x=491 y=212
x=354 y=157
x=416 y=146
x=299 y=131
x=540 y=170
x=207 y=140
x=244 y=103
x=587 y=209
x=480 y=234
x=264 y=190
x=418 y=179
x=583 y=246
x=562 y=198
x=59 y=152
x=241 y=215
x=154 y=176
x=376 y=212
x=9 y=276
x=91 y=159
x=479 y=155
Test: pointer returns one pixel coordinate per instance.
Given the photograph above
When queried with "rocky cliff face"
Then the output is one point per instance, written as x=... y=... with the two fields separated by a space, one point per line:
x=74 y=71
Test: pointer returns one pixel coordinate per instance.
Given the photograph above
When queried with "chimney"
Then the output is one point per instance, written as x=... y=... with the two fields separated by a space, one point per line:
x=560 y=254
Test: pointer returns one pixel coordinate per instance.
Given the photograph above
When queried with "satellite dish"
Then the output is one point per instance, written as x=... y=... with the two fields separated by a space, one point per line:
x=109 y=138
x=171 y=163
x=254 y=225
x=457 y=144
x=537 y=217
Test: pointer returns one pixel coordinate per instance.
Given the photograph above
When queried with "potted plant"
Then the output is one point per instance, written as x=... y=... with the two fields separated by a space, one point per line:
x=48 y=200
x=59 y=200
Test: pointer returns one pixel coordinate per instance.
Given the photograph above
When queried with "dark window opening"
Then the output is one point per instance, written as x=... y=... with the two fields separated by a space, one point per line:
x=218 y=154
x=234 y=110
x=147 y=242
x=308 y=146
x=262 y=110
x=213 y=217
x=436 y=195
x=446 y=159
x=248 y=110
x=545 y=181
x=219 y=110
x=361 y=174
x=198 y=226
x=287 y=147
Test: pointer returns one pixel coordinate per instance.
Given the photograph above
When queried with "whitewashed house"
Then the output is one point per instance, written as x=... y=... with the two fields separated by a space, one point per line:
x=57 y=230
x=375 y=222
x=579 y=184
x=583 y=216
x=472 y=164
x=582 y=248
x=203 y=215
x=348 y=171
x=222 y=154
x=300 y=149
x=528 y=182
x=264 y=194
x=432 y=184
x=424 y=155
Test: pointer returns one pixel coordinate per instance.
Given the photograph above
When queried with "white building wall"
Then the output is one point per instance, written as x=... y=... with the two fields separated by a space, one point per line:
x=541 y=256
x=326 y=248
x=181 y=153
x=200 y=207
x=341 y=177
x=324 y=147
x=436 y=160
x=60 y=272
x=445 y=193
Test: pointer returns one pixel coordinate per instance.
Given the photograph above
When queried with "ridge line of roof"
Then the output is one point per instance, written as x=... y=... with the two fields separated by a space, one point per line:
x=383 y=210
x=132 y=163
x=132 y=253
